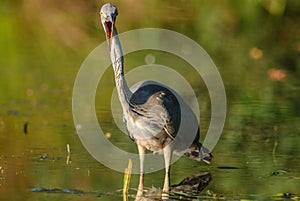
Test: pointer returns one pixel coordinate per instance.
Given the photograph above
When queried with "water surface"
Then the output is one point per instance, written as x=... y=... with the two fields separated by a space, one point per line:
x=254 y=45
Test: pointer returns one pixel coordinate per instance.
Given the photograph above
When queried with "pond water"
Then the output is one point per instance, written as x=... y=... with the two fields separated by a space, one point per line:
x=257 y=156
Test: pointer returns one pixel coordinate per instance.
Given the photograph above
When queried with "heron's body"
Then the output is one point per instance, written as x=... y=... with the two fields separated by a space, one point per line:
x=143 y=123
x=155 y=115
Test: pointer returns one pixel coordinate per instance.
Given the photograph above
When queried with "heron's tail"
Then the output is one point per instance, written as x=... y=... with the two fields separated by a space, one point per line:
x=198 y=152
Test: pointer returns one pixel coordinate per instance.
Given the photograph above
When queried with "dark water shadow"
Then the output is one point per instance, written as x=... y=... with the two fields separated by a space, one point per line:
x=189 y=188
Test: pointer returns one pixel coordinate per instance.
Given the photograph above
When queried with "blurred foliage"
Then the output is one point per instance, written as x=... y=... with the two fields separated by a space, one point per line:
x=254 y=43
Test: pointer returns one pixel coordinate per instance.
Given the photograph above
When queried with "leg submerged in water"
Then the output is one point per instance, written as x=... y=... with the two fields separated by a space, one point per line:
x=168 y=157
x=142 y=152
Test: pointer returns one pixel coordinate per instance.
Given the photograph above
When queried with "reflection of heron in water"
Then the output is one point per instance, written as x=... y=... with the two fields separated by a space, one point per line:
x=152 y=111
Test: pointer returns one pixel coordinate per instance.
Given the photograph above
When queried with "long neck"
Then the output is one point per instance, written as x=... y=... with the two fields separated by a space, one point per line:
x=117 y=59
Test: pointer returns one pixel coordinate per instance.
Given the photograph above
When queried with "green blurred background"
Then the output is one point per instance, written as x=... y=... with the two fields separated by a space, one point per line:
x=255 y=45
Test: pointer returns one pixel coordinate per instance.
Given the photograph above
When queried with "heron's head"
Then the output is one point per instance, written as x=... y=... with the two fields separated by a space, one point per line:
x=108 y=14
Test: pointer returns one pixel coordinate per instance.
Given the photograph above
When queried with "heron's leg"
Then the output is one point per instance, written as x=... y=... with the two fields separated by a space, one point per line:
x=167 y=157
x=142 y=152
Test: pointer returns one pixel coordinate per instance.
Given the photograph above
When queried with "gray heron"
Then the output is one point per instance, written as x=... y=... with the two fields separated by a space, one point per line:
x=151 y=110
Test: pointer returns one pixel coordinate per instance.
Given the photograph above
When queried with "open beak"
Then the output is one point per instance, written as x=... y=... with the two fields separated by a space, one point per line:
x=109 y=29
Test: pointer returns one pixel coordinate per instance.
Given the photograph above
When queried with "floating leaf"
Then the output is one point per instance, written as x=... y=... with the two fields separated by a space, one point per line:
x=278 y=172
x=286 y=195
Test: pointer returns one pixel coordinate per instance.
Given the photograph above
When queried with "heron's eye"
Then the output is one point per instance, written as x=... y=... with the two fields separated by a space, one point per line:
x=102 y=14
